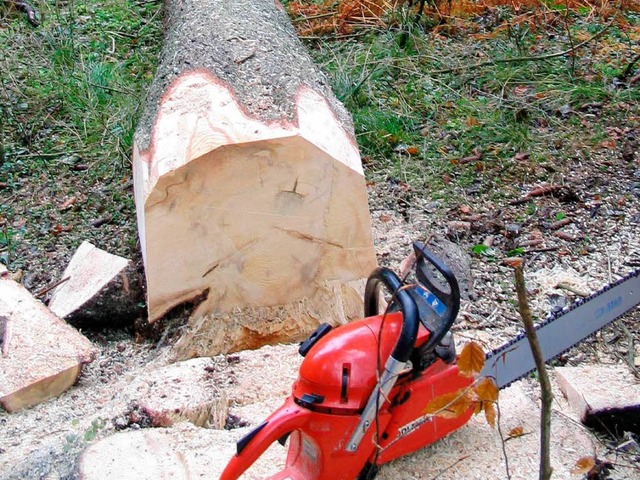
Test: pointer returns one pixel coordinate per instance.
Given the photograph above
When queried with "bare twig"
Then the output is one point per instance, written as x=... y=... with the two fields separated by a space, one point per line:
x=46 y=155
x=45 y=290
x=534 y=58
x=541 y=250
x=570 y=288
x=629 y=68
x=545 y=384
x=450 y=466
x=27 y=9
x=313 y=17
x=560 y=223
x=570 y=37
x=629 y=358
x=503 y=441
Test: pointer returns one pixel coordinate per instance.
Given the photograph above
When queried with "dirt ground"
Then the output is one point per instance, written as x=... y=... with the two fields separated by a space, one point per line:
x=597 y=246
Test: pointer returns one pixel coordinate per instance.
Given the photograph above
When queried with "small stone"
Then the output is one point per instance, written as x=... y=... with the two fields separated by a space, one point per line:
x=565 y=110
x=512 y=229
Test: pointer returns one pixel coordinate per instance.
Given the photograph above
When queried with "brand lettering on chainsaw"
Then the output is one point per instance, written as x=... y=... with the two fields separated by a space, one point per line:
x=611 y=305
x=309 y=449
x=410 y=427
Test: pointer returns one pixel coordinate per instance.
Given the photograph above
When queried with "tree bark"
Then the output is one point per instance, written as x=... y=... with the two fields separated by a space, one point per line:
x=249 y=186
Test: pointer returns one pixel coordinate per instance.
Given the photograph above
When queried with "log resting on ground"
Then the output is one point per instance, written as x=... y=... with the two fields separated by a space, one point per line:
x=249 y=187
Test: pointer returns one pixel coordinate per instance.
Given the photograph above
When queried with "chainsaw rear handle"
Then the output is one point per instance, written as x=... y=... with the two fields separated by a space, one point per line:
x=286 y=419
x=451 y=298
x=410 y=322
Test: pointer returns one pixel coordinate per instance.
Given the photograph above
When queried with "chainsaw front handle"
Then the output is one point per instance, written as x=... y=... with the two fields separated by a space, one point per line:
x=401 y=352
x=450 y=298
x=408 y=307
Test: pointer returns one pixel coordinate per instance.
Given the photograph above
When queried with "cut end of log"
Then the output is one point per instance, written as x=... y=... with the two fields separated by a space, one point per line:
x=259 y=224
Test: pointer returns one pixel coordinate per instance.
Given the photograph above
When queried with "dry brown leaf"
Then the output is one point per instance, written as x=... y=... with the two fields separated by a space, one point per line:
x=512 y=262
x=521 y=90
x=487 y=390
x=543 y=190
x=471 y=360
x=477 y=156
x=583 y=465
x=450 y=405
x=68 y=203
x=413 y=150
x=516 y=432
x=472 y=122
x=490 y=413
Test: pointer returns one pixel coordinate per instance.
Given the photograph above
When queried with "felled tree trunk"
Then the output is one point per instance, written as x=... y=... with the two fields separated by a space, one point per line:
x=249 y=186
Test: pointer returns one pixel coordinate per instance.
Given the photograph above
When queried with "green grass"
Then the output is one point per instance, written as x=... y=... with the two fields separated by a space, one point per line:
x=401 y=97
x=71 y=90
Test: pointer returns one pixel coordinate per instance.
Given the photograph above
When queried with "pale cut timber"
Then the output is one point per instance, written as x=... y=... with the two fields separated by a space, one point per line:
x=97 y=288
x=42 y=356
x=181 y=392
x=260 y=385
x=601 y=394
x=248 y=181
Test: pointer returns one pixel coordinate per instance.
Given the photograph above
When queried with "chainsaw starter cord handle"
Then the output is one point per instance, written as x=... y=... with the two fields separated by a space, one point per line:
x=410 y=319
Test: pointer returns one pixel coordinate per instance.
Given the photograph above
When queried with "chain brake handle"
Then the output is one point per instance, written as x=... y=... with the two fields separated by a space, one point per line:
x=450 y=297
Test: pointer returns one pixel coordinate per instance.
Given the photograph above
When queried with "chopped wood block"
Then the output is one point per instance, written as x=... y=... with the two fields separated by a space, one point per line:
x=96 y=289
x=41 y=355
x=602 y=395
x=473 y=452
x=249 y=187
x=184 y=452
x=183 y=391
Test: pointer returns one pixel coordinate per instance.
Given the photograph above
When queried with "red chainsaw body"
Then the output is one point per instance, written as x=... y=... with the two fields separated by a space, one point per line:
x=336 y=379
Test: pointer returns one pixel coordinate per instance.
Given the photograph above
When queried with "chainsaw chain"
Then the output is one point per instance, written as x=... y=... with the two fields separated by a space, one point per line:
x=552 y=317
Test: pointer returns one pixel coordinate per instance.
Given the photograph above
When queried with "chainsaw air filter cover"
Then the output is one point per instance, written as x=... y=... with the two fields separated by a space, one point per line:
x=340 y=371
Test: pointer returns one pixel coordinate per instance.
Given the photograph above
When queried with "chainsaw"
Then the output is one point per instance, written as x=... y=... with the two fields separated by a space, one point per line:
x=360 y=397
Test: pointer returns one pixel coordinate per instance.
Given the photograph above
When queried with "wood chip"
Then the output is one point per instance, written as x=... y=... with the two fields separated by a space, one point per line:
x=560 y=223
x=568 y=237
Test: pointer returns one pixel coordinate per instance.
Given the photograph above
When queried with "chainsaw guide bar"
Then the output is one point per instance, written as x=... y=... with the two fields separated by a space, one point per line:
x=563 y=329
